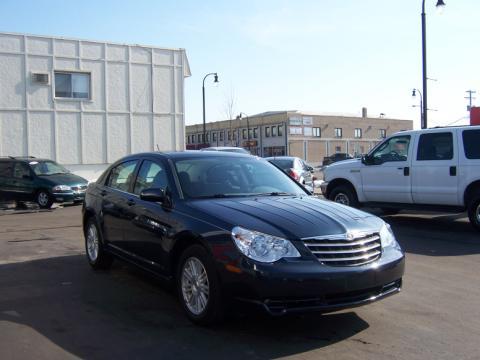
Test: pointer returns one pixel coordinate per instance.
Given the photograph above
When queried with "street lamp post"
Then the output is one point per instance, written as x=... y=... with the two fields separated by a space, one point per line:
x=203 y=96
x=422 y=116
x=239 y=117
x=440 y=5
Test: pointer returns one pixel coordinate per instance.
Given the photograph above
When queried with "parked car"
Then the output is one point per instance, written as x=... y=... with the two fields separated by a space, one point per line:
x=295 y=167
x=225 y=226
x=433 y=169
x=40 y=180
x=327 y=160
x=226 y=149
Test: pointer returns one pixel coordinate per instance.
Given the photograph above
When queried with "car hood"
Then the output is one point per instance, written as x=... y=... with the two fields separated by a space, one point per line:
x=347 y=164
x=64 y=179
x=290 y=217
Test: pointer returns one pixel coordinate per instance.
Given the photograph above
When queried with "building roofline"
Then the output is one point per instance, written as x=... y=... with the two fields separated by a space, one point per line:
x=90 y=41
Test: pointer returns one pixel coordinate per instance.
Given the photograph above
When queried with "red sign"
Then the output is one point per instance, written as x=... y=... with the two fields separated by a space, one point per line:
x=475 y=116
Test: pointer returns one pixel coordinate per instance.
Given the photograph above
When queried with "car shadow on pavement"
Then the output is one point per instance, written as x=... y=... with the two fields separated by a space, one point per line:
x=435 y=234
x=122 y=313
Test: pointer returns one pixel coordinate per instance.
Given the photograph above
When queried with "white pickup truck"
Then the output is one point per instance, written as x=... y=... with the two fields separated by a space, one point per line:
x=434 y=169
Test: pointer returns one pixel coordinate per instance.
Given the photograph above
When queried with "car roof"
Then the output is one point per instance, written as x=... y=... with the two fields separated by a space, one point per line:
x=221 y=148
x=185 y=154
x=281 y=158
x=436 y=129
x=23 y=158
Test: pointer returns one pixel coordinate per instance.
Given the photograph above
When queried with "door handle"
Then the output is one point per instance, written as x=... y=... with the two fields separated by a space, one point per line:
x=406 y=171
x=453 y=171
x=130 y=202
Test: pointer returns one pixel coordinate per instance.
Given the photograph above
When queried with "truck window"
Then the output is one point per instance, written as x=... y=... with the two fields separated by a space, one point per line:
x=471 y=143
x=394 y=149
x=435 y=146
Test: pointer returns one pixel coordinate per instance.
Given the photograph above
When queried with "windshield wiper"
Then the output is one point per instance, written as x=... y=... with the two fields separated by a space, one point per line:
x=276 y=193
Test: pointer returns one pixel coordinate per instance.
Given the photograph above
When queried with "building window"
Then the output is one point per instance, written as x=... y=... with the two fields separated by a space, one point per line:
x=255 y=133
x=214 y=136
x=274 y=131
x=296 y=130
x=338 y=132
x=307 y=131
x=338 y=149
x=358 y=133
x=267 y=131
x=280 y=130
x=244 y=133
x=199 y=138
x=250 y=133
x=317 y=132
x=382 y=133
x=74 y=85
x=229 y=135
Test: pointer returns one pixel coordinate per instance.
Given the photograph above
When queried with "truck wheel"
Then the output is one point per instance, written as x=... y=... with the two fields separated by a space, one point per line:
x=474 y=212
x=44 y=199
x=345 y=195
x=198 y=286
x=390 y=211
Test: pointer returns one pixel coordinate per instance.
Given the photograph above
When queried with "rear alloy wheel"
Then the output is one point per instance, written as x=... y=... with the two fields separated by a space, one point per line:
x=198 y=286
x=344 y=195
x=97 y=258
x=44 y=199
x=474 y=212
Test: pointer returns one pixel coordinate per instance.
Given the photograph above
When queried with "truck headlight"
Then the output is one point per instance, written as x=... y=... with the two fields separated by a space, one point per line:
x=61 y=188
x=387 y=237
x=262 y=247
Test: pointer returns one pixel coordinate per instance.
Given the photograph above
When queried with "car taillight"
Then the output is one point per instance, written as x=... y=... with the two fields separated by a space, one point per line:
x=294 y=175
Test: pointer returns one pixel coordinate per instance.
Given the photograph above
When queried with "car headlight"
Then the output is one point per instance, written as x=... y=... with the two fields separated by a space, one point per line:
x=387 y=237
x=262 y=247
x=61 y=188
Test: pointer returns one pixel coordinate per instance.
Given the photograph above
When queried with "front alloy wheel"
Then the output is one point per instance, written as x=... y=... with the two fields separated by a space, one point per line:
x=344 y=195
x=198 y=286
x=195 y=286
x=474 y=212
x=96 y=256
x=44 y=199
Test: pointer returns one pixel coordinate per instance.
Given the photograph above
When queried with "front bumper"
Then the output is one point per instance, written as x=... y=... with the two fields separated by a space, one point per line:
x=298 y=286
x=69 y=196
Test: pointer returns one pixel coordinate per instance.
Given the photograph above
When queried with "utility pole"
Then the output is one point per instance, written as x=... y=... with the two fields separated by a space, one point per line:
x=470 y=97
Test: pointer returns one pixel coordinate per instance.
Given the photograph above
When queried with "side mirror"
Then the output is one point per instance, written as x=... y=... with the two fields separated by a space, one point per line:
x=367 y=160
x=153 y=195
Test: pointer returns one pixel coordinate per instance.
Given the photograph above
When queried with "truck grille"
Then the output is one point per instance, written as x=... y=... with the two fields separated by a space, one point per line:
x=345 y=249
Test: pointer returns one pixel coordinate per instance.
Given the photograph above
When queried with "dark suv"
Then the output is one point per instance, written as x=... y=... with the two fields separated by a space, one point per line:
x=226 y=226
x=327 y=160
x=39 y=180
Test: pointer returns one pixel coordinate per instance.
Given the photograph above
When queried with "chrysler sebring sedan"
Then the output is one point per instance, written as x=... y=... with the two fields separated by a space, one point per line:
x=226 y=226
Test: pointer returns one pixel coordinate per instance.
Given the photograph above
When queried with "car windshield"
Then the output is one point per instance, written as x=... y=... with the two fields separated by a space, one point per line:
x=220 y=176
x=47 y=168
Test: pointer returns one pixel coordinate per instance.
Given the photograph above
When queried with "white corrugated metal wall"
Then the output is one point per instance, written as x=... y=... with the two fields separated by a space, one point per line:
x=137 y=100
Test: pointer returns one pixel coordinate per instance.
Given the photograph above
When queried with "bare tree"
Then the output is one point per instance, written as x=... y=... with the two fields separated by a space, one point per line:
x=229 y=104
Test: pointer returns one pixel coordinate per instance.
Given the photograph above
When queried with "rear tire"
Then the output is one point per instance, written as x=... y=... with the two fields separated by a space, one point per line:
x=44 y=199
x=96 y=256
x=198 y=286
x=474 y=211
x=344 y=194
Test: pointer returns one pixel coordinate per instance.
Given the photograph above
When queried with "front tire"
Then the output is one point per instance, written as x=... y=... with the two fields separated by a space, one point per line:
x=474 y=212
x=198 y=286
x=96 y=256
x=44 y=199
x=345 y=195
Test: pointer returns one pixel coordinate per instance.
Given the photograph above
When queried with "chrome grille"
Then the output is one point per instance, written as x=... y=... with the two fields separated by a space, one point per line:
x=345 y=249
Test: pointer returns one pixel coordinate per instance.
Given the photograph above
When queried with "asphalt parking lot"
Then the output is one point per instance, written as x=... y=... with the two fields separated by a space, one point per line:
x=53 y=306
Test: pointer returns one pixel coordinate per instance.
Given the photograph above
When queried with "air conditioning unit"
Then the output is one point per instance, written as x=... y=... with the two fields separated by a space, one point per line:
x=41 y=78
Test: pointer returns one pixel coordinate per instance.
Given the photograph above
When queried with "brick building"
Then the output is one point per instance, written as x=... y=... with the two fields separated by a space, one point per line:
x=306 y=135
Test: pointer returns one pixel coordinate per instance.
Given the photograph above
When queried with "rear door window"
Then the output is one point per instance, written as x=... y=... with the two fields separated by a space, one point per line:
x=122 y=175
x=471 y=143
x=435 y=146
x=20 y=170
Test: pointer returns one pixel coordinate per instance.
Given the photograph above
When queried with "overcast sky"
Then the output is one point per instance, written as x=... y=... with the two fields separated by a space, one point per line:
x=326 y=56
